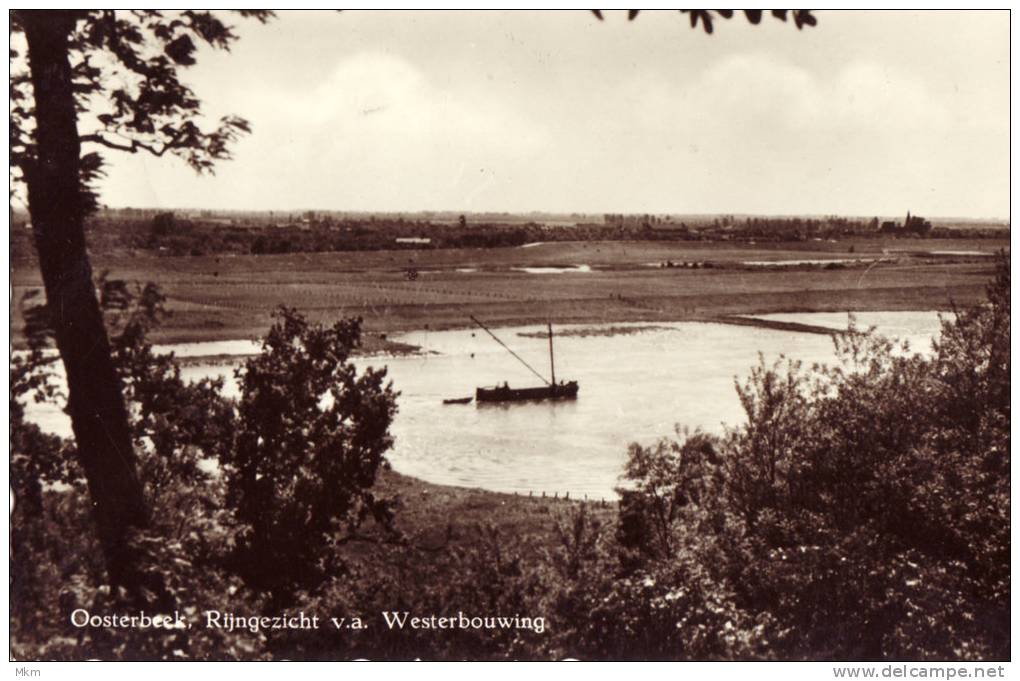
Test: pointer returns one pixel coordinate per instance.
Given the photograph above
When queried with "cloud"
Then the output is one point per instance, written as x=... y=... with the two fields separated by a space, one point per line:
x=377 y=126
x=861 y=96
x=382 y=101
x=858 y=119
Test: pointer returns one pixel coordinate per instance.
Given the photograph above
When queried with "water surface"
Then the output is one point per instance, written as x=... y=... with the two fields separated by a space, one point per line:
x=633 y=387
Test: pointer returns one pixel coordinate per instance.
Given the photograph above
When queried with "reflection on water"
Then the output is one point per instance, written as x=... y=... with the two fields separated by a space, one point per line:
x=633 y=387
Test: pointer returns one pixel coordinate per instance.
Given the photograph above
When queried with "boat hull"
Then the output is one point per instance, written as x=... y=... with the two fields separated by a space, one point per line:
x=560 y=391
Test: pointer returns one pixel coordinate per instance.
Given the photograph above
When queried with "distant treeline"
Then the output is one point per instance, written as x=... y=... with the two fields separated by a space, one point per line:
x=176 y=235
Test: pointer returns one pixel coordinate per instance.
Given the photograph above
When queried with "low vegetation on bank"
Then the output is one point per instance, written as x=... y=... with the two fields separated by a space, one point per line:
x=862 y=511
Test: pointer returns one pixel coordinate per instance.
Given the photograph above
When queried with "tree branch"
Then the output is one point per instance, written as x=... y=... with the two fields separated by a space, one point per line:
x=134 y=147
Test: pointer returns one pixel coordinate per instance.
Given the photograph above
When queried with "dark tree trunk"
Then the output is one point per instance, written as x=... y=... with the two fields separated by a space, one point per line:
x=95 y=397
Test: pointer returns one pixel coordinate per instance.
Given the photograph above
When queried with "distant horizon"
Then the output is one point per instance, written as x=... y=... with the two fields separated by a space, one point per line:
x=550 y=213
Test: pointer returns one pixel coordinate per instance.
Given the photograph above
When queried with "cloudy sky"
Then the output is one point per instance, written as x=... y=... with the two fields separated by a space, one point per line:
x=869 y=113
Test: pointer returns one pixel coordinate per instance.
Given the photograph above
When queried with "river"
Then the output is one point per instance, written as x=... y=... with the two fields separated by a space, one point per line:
x=633 y=387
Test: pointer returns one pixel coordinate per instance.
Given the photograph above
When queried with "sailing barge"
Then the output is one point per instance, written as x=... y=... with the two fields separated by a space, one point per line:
x=550 y=391
x=504 y=393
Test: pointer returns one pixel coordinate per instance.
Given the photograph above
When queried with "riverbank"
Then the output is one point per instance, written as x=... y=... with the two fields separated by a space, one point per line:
x=431 y=518
x=372 y=345
x=214 y=298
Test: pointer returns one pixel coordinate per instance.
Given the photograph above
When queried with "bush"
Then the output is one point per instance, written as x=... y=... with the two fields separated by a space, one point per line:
x=56 y=560
x=312 y=464
x=862 y=512
x=310 y=435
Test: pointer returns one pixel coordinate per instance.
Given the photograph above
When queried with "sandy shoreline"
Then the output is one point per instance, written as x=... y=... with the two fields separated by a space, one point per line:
x=379 y=344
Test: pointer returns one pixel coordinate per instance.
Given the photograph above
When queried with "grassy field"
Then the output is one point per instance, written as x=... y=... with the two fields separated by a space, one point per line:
x=223 y=297
x=433 y=517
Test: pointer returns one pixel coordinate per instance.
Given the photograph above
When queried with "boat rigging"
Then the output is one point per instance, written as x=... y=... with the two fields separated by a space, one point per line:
x=550 y=391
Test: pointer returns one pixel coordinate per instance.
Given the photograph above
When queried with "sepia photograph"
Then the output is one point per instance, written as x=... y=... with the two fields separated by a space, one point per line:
x=511 y=335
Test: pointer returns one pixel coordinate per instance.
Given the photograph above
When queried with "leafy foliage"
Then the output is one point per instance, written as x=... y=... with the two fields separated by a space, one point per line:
x=310 y=437
x=863 y=508
x=116 y=77
x=127 y=90
x=182 y=430
x=801 y=17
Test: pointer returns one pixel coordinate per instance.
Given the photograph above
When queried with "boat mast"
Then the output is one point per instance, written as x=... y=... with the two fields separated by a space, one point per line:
x=507 y=348
x=552 y=363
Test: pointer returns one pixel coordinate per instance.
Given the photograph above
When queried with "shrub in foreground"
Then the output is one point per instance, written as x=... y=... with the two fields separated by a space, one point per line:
x=862 y=512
